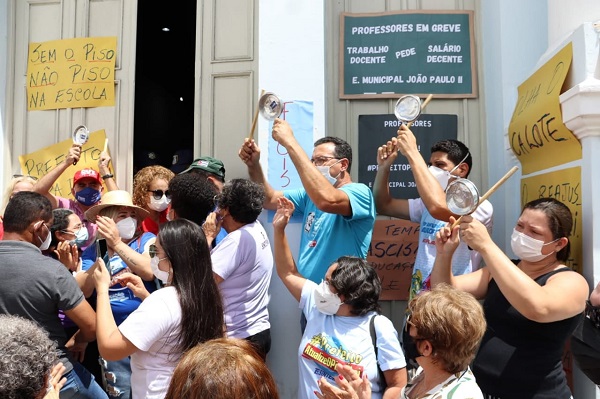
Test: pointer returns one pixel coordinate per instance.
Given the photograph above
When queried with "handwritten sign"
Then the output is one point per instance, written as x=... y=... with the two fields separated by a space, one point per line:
x=565 y=186
x=392 y=254
x=386 y=54
x=71 y=73
x=537 y=134
x=39 y=163
x=282 y=174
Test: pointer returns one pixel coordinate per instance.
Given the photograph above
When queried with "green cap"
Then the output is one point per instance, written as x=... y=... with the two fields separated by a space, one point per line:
x=208 y=164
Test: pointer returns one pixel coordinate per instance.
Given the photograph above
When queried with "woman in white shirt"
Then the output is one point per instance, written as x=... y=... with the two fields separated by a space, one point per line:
x=187 y=312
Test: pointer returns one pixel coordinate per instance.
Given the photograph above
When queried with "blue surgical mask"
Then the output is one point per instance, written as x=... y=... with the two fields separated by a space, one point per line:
x=88 y=196
x=81 y=237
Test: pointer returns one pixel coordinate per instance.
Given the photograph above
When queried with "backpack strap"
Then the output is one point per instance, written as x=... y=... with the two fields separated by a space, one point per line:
x=373 y=332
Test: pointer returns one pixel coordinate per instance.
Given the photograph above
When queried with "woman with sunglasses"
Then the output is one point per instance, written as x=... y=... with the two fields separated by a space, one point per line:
x=187 y=312
x=531 y=306
x=342 y=325
x=119 y=224
x=150 y=192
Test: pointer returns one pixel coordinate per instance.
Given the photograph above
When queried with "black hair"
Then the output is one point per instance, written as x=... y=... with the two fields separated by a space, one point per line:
x=342 y=148
x=24 y=208
x=356 y=279
x=204 y=174
x=202 y=319
x=456 y=151
x=59 y=223
x=560 y=221
x=192 y=198
x=243 y=199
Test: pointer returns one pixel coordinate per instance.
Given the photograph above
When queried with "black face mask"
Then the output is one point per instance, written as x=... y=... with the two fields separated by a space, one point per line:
x=410 y=349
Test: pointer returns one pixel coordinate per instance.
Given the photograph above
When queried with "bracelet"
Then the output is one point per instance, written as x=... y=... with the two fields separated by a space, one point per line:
x=108 y=176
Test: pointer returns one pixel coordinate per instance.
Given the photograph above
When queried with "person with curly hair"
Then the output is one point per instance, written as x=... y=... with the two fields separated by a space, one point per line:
x=222 y=368
x=28 y=361
x=242 y=262
x=151 y=192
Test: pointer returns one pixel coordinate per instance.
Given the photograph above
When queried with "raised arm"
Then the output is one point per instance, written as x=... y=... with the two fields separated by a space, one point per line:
x=104 y=169
x=446 y=242
x=562 y=296
x=384 y=202
x=46 y=182
x=326 y=197
x=250 y=155
x=284 y=262
x=430 y=191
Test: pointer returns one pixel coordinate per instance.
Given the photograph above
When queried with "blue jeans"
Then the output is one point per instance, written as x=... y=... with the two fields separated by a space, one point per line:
x=117 y=376
x=81 y=384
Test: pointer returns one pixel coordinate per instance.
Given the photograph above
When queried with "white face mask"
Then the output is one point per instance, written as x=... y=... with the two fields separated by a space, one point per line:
x=327 y=302
x=127 y=227
x=159 y=274
x=46 y=243
x=324 y=169
x=528 y=248
x=159 y=205
x=443 y=176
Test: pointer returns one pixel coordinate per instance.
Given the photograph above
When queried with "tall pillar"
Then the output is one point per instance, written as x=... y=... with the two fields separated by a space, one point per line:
x=581 y=114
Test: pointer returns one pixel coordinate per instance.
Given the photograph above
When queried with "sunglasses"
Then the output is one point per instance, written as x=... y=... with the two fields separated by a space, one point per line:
x=31 y=177
x=157 y=194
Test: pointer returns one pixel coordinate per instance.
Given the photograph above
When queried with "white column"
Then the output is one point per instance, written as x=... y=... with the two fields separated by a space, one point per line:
x=581 y=114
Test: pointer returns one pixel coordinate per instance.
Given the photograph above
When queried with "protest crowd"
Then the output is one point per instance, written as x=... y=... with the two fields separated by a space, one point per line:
x=164 y=292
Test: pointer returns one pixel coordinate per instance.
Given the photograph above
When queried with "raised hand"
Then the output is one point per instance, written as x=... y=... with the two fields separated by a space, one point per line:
x=285 y=209
x=249 y=153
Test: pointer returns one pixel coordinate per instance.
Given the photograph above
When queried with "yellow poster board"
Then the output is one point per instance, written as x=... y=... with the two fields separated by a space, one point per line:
x=39 y=163
x=565 y=186
x=537 y=134
x=71 y=73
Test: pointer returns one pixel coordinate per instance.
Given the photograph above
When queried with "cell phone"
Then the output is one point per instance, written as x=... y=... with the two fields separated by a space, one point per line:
x=101 y=248
x=101 y=251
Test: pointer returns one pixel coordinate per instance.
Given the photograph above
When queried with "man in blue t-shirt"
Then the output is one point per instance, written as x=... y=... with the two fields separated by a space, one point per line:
x=338 y=215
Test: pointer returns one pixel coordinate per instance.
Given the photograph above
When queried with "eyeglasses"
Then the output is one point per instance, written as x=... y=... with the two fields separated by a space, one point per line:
x=29 y=176
x=77 y=230
x=157 y=194
x=319 y=161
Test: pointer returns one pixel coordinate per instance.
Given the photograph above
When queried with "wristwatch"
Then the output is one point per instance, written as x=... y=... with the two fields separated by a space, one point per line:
x=108 y=176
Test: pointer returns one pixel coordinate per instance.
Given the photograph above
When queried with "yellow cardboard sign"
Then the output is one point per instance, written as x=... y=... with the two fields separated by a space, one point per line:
x=565 y=186
x=39 y=163
x=537 y=134
x=71 y=73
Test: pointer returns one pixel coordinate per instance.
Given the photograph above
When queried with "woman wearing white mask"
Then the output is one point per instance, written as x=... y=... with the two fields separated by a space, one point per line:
x=170 y=321
x=531 y=308
x=342 y=322
x=151 y=192
x=119 y=223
